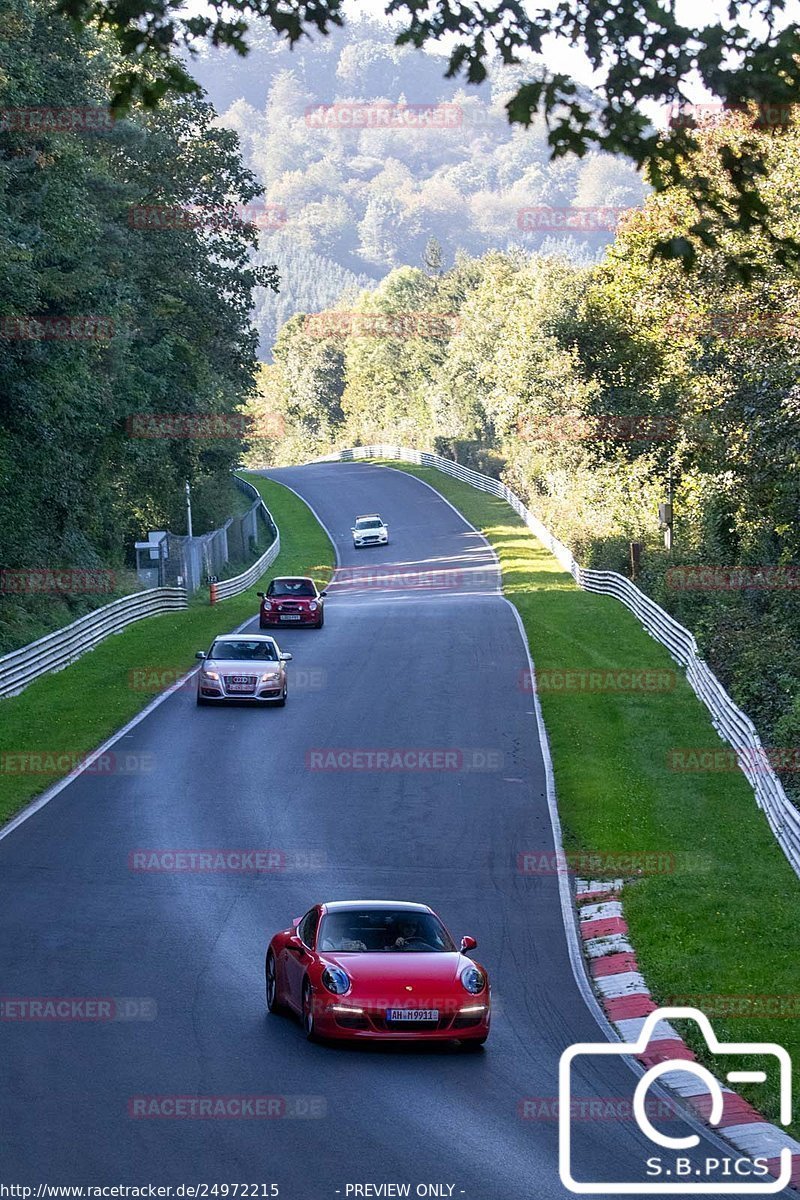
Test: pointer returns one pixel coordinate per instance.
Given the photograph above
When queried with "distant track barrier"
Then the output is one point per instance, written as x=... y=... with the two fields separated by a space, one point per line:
x=59 y=649
x=734 y=726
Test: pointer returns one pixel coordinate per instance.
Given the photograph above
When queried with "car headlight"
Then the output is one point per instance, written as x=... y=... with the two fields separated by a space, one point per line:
x=210 y=675
x=336 y=980
x=269 y=676
x=473 y=980
x=313 y=606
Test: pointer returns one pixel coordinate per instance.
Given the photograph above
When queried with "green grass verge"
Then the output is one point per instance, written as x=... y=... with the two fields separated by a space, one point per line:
x=75 y=710
x=725 y=922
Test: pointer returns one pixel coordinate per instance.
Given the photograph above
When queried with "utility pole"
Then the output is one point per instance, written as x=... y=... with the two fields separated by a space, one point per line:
x=665 y=513
x=188 y=509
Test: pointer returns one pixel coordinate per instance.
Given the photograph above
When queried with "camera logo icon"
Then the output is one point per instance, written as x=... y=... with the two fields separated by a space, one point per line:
x=728 y=1186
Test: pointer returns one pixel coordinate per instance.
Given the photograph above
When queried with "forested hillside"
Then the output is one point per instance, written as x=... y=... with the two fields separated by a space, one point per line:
x=586 y=389
x=366 y=199
x=113 y=306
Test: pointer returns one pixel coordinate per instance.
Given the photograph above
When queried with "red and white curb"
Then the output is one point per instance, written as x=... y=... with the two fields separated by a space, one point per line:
x=626 y=1000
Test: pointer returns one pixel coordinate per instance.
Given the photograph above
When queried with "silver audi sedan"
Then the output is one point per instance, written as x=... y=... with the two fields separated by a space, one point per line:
x=243 y=666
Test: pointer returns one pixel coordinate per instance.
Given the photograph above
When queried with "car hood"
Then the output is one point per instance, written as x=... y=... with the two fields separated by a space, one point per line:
x=402 y=967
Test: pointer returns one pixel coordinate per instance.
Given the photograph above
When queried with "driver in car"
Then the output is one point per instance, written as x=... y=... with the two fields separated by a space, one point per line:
x=403 y=933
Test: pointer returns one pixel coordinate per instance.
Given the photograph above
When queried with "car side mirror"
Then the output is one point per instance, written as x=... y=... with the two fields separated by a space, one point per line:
x=200 y=654
x=285 y=656
x=468 y=943
x=324 y=593
x=261 y=594
x=296 y=921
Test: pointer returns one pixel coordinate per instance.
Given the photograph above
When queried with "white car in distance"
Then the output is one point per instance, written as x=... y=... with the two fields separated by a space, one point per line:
x=370 y=530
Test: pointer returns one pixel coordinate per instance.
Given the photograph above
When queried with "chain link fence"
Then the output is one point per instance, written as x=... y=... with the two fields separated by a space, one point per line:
x=189 y=562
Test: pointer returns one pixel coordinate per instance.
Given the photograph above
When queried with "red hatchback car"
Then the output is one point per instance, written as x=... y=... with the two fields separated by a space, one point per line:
x=384 y=970
x=292 y=600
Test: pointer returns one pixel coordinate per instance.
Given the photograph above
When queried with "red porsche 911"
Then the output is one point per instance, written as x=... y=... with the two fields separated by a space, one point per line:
x=384 y=970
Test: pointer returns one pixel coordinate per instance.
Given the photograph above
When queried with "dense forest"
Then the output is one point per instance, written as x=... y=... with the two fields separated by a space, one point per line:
x=115 y=304
x=355 y=202
x=587 y=389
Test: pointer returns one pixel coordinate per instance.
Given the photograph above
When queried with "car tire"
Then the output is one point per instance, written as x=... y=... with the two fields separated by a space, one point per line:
x=308 y=1012
x=271 y=989
x=321 y=621
x=281 y=703
x=201 y=702
x=263 y=625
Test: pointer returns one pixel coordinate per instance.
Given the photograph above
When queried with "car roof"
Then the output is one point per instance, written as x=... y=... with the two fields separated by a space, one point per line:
x=280 y=578
x=367 y=516
x=340 y=905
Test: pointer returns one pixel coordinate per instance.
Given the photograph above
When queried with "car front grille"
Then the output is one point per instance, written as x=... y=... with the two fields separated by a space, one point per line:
x=240 y=685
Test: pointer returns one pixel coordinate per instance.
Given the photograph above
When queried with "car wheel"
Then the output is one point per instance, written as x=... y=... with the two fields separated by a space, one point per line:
x=263 y=625
x=201 y=701
x=308 y=1012
x=281 y=703
x=321 y=620
x=271 y=984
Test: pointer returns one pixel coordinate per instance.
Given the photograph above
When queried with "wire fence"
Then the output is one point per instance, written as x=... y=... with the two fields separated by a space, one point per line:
x=64 y=646
x=240 y=583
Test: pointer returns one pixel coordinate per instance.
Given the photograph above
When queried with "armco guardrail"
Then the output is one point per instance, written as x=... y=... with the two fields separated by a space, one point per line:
x=240 y=583
x=57 y=650
x=730 y=722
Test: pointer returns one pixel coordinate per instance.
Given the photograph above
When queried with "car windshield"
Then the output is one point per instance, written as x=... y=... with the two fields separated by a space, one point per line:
x=372 y=523
x=244 y=650
x=383 y=930
x=291 y=587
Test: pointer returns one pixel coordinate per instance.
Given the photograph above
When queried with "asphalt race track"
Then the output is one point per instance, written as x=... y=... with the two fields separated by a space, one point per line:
x=420 y=652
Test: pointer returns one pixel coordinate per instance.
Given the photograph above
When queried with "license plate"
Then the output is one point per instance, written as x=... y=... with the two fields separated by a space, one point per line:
x=241 y=687
x=290 y=616
x=412 y=1014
